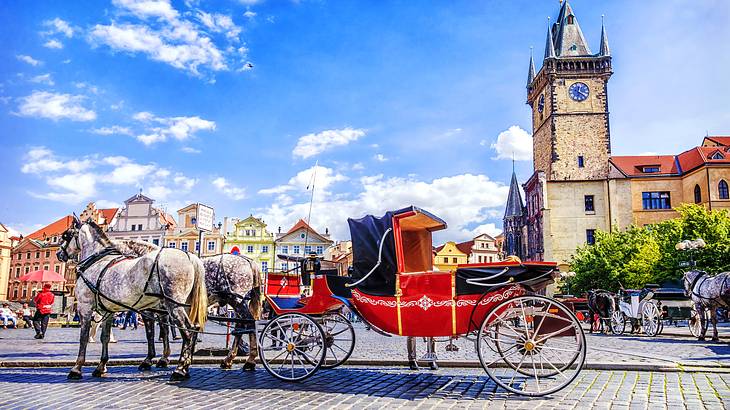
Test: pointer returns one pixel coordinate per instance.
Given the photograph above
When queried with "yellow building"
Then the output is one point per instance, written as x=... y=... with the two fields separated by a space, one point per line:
x=448 y=256
x=186 y=235
x=249 y=237
x=6 y=245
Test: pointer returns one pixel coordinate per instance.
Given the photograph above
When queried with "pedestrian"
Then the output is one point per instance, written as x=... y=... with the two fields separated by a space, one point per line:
x=430 y=356
x=27 y=316
x=43 y=308
x=7 y=315
x=131 y=319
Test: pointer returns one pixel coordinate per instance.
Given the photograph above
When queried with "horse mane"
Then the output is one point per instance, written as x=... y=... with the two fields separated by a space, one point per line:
x=100 y=234
x=134 y=247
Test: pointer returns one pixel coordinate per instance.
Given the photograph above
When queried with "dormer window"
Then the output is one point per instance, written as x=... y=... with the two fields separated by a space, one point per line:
x=650 y=169
x=571 y=19
x=717 y=155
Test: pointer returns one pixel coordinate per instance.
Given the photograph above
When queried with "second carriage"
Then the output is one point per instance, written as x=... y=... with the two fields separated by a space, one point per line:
x=527 y=343
x=650 y=308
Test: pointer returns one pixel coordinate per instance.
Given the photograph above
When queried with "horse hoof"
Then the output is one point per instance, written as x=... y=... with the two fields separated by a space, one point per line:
x=177 y=377
x=74 y=375
x=249 y=367
x=144 y=367
x=98 y=373
x=226 y=366
x=161 y=364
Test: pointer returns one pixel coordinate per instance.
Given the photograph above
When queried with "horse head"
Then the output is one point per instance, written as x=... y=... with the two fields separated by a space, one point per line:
x=689 y=279
x=70 y=246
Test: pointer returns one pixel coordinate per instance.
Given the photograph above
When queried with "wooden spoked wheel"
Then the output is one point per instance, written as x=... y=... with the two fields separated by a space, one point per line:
x=531 y=345
x=695 y=323
x=618 y=322
x=339 y=339
x=650 y=319
x=292 y=347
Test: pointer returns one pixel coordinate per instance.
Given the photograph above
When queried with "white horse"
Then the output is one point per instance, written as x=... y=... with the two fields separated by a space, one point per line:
x=109 y=282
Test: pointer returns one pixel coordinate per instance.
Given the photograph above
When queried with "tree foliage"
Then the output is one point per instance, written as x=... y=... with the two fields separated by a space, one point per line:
x=641 y=255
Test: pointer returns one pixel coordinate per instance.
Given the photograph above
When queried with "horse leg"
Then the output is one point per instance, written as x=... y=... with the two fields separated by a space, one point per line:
x=713 y=318
x=85 y=327
x=165 y=334
x=180 y=319
x=105 y=337
x=149 y=330
x=590 y=322
x=703 y=322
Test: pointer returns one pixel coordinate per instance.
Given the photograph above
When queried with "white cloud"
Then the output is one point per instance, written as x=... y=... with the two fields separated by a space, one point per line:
x=86 y=86
x=43 y=79
x=514 y=142
x=161 y=128
x=318 y=177
x=312 y=144
x=148 y=8
x=129 y=174
x=462 y=200
x=380 y=158
x=55 y=106
x=118 y=106
x=114 y=129
x=159 y=192
x=249 y=14
x=105 y=203
x=53 y=43
x=490 y=229
x=58 y=26
x=75 y=188
x=190 y=150
x=28 y=59
x=183 y=182
x=220 y=23
x=40 y=160
x=358 y=166
x=229 y=190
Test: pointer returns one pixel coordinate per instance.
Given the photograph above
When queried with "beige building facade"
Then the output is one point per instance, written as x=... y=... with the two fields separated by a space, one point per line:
x=186 y=236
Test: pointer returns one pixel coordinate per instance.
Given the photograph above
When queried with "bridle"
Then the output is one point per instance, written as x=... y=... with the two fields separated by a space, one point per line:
x=67 y=237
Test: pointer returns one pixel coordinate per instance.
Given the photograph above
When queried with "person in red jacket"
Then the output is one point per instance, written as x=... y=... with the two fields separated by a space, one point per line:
x=43 y=307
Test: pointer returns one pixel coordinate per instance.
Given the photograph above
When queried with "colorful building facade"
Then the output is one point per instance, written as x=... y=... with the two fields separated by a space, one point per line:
x=449 y=255
x=186 y=236
x=138 y=219
x=299 y=241
x=249 y=237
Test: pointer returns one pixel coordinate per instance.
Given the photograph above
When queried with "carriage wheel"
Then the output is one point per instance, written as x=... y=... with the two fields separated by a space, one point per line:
x=339 y=339
x=695 y=323
x=291 y=347
x=650 y=319
x=531 y=345
x=618 y=322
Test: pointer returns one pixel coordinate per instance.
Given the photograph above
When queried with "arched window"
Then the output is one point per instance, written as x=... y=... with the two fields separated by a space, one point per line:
x=722 y=190
x=698 y=194
x=571 y=19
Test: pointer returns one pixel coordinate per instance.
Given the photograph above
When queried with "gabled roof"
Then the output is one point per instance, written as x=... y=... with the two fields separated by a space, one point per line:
x=632 y=165
x=710 y=141
x=514 y=199
x=697 y=156
x=489 y=237
x=139 y=198
x=3 y=228
x=53 y=229
x=250 y=219
x=166 y=219
x=303 y=225
x=463 y=247
x=108 y=214
x=568 y=38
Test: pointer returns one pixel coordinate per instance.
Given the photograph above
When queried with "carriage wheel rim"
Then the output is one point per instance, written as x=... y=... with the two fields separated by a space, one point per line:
x=340 y=343
x=291 y=347
x=533 y=367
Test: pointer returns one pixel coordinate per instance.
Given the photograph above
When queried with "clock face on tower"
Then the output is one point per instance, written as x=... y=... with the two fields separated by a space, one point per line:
x=578 y=91
x=541 y=104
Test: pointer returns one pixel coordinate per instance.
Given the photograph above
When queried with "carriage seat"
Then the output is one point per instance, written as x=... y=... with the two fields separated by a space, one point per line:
x=478 y=278
x=337 y=286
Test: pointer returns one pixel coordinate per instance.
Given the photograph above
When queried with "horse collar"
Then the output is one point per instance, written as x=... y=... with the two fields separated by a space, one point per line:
x=695 y=280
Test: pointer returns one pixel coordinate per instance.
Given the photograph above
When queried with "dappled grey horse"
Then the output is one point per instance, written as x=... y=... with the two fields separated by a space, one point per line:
x=230 y=280
x=109 y=282
x=708 y=293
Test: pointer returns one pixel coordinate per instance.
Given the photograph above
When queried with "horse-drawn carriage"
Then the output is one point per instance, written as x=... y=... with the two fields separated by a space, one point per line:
x=528 y=344
x=651 y=307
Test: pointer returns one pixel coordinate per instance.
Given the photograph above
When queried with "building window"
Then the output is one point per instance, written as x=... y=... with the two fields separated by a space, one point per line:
x=264 y=266
x=698 y=194
x=27 y=269
x=571 y=19
x=320 y=249
x=15 y=293
x=650 y=169
x=20 y=256
x=48 y=254
x=295 y=249
x=264 y=248
x=590 y=236
x=453 y=260
x=27 y=255
x=284 y=266
x=588 y=199
x=37 y=255
x=211 y=246
x=25 y=292
x=197 y=246
x=581 y=161
x=249 y=249
x=156 y=242
x=57 y=268
x=134 y=227
x=307 y=249
x=17 y=272
x=139 y=227
x=302 y=236
x=285 y=250
x=184 y=246
x=171 y=245
x=446 y=260
x=46 y=267
x=722 y=190
x=717 y=155
x=656 y=200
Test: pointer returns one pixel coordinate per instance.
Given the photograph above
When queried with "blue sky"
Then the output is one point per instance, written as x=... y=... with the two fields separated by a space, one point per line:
x=229 y=102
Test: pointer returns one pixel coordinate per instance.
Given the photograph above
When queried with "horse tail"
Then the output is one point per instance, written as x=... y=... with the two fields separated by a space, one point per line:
x=199 y=296
x=254 y=305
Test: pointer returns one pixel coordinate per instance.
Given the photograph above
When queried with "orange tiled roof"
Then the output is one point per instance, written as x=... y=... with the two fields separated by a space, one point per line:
x=698 y=156
x=718 y=139
x=465 y=247
x=299 y=225
x=56 y=228
x=632 y=165
x=108 y=214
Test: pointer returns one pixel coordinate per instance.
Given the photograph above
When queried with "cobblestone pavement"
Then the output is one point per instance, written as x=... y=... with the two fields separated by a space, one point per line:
x=61 y=344
x=353 y=387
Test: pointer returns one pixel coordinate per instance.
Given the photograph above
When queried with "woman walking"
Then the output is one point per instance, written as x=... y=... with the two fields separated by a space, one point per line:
x=44 y=306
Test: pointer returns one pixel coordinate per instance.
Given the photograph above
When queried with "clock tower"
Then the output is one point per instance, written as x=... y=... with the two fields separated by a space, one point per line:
x=569 y=101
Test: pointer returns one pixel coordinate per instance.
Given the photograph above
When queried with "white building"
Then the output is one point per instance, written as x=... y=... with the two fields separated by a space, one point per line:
x=139 y=220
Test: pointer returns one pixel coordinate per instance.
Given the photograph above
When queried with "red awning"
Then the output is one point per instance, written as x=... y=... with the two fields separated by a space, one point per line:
x=42 y=275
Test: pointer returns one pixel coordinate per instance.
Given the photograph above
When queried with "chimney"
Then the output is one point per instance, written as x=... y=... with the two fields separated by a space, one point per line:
x=225 y=225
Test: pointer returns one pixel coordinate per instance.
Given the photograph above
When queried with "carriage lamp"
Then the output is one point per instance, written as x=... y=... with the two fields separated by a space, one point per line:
x=310 y=266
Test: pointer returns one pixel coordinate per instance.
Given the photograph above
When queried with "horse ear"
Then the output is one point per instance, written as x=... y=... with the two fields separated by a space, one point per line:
x=77 y=221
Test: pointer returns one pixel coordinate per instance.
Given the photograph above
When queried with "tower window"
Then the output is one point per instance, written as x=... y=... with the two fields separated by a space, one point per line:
x=698 y=194
x=581 y=161
x=722 y=190
x=571 y=19
x=590 y=236
x=589 y=206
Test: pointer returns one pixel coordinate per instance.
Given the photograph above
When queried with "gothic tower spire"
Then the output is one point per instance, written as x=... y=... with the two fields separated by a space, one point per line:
x=549 y=47
x=514 y=220
x=567 y=35
x=531 y=70
x=605 y=51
